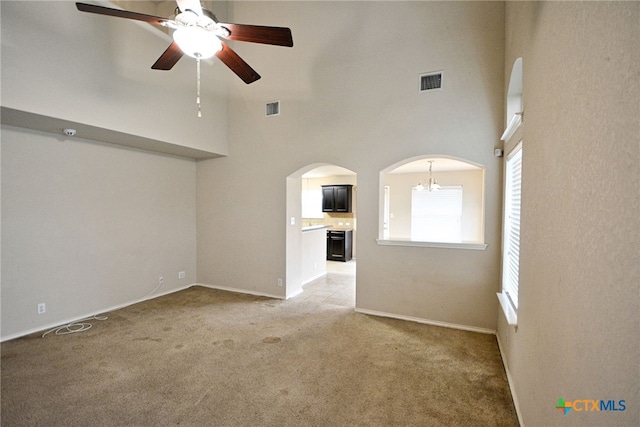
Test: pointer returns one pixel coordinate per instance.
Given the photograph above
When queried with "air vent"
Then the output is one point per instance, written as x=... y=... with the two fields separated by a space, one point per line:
x=430 y=81
x=273 y=108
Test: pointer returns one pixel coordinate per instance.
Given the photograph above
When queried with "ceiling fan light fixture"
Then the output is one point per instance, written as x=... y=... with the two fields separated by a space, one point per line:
x=199 y=34
x=197 y=42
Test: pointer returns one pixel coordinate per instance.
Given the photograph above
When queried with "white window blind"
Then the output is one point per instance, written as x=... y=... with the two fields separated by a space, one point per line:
x=436 y=215
x=511 y=255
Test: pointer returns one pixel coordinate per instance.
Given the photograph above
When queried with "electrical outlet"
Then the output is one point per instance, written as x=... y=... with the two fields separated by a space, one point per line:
x=160 y=280
x=182 y=275
x=42 y=308
x=280 y=282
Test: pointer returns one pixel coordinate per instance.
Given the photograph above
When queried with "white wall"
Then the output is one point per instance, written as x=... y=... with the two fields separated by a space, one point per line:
x=578 y=317
x=314 y=254
x=89 y=226
x=349 y=96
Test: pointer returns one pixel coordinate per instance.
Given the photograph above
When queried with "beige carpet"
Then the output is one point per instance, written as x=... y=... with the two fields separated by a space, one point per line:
x=203 y=357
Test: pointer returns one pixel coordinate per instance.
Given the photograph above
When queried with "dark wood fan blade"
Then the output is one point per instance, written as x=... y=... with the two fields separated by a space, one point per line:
x=279 y=36
x=169 y=58
x=237 y=64
x=101 y=10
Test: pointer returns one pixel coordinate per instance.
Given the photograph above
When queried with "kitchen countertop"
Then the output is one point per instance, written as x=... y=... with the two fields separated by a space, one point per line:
x=314 y=227
x=324 y=227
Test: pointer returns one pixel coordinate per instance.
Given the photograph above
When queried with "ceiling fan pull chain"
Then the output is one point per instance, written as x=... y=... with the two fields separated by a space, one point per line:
x=198 y=85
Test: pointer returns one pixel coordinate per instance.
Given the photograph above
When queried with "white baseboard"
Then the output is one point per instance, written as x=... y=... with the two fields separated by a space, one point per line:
x=316 y=277
x=295 y=294
x=510 y=381
x=147 y=297
x=47 y=327
x=426 y=321
x=238 y=291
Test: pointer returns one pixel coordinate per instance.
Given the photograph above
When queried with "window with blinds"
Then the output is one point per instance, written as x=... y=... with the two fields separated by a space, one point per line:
x=436 y=216
x=511 y=244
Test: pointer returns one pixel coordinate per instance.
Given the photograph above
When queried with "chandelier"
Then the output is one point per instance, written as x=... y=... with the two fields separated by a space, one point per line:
x=432 y=184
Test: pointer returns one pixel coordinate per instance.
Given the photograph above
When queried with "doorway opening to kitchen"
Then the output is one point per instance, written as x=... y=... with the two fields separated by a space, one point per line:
x=321 y=234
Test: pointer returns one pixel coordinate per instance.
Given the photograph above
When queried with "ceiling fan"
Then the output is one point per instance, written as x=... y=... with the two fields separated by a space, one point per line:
x=198 y=34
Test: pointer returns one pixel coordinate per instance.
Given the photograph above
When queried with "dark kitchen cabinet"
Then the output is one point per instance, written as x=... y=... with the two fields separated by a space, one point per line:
x=339 y=245
x=336 y=198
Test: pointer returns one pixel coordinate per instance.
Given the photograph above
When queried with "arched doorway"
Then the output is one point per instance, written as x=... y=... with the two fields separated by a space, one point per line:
x=306 y=233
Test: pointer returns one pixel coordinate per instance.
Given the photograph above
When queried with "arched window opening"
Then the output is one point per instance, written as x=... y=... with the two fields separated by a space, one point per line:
x=515 y=107
x=432 y=201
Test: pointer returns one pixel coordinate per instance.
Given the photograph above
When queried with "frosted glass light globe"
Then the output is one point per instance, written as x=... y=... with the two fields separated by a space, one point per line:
x=197 y=42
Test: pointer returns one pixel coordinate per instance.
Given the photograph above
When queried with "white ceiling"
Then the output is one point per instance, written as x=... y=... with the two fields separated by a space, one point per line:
x=439 y=165
x=416 y=166
x=328 y=170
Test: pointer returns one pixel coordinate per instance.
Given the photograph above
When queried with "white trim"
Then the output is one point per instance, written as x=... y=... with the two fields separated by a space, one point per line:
x=426 y=321
x=127 y=304
x=514 y=150
x=238 y=290
x=514 y=396
x=91 y=314
x=509 y=312
x=294 y=294
x=316 y=277
x=514 y=124
x=442 y=245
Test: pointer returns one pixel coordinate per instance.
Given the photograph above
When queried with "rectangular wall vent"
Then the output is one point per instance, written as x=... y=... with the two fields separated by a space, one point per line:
x=273 y=108
x=430 y=81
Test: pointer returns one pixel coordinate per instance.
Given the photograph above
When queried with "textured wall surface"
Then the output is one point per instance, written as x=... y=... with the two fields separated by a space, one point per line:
x=578 y=316
x=89 y=226
x=349 y=96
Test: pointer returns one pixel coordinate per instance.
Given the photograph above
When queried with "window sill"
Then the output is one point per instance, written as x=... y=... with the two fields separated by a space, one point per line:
x=443 y=245
x=509 y=313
